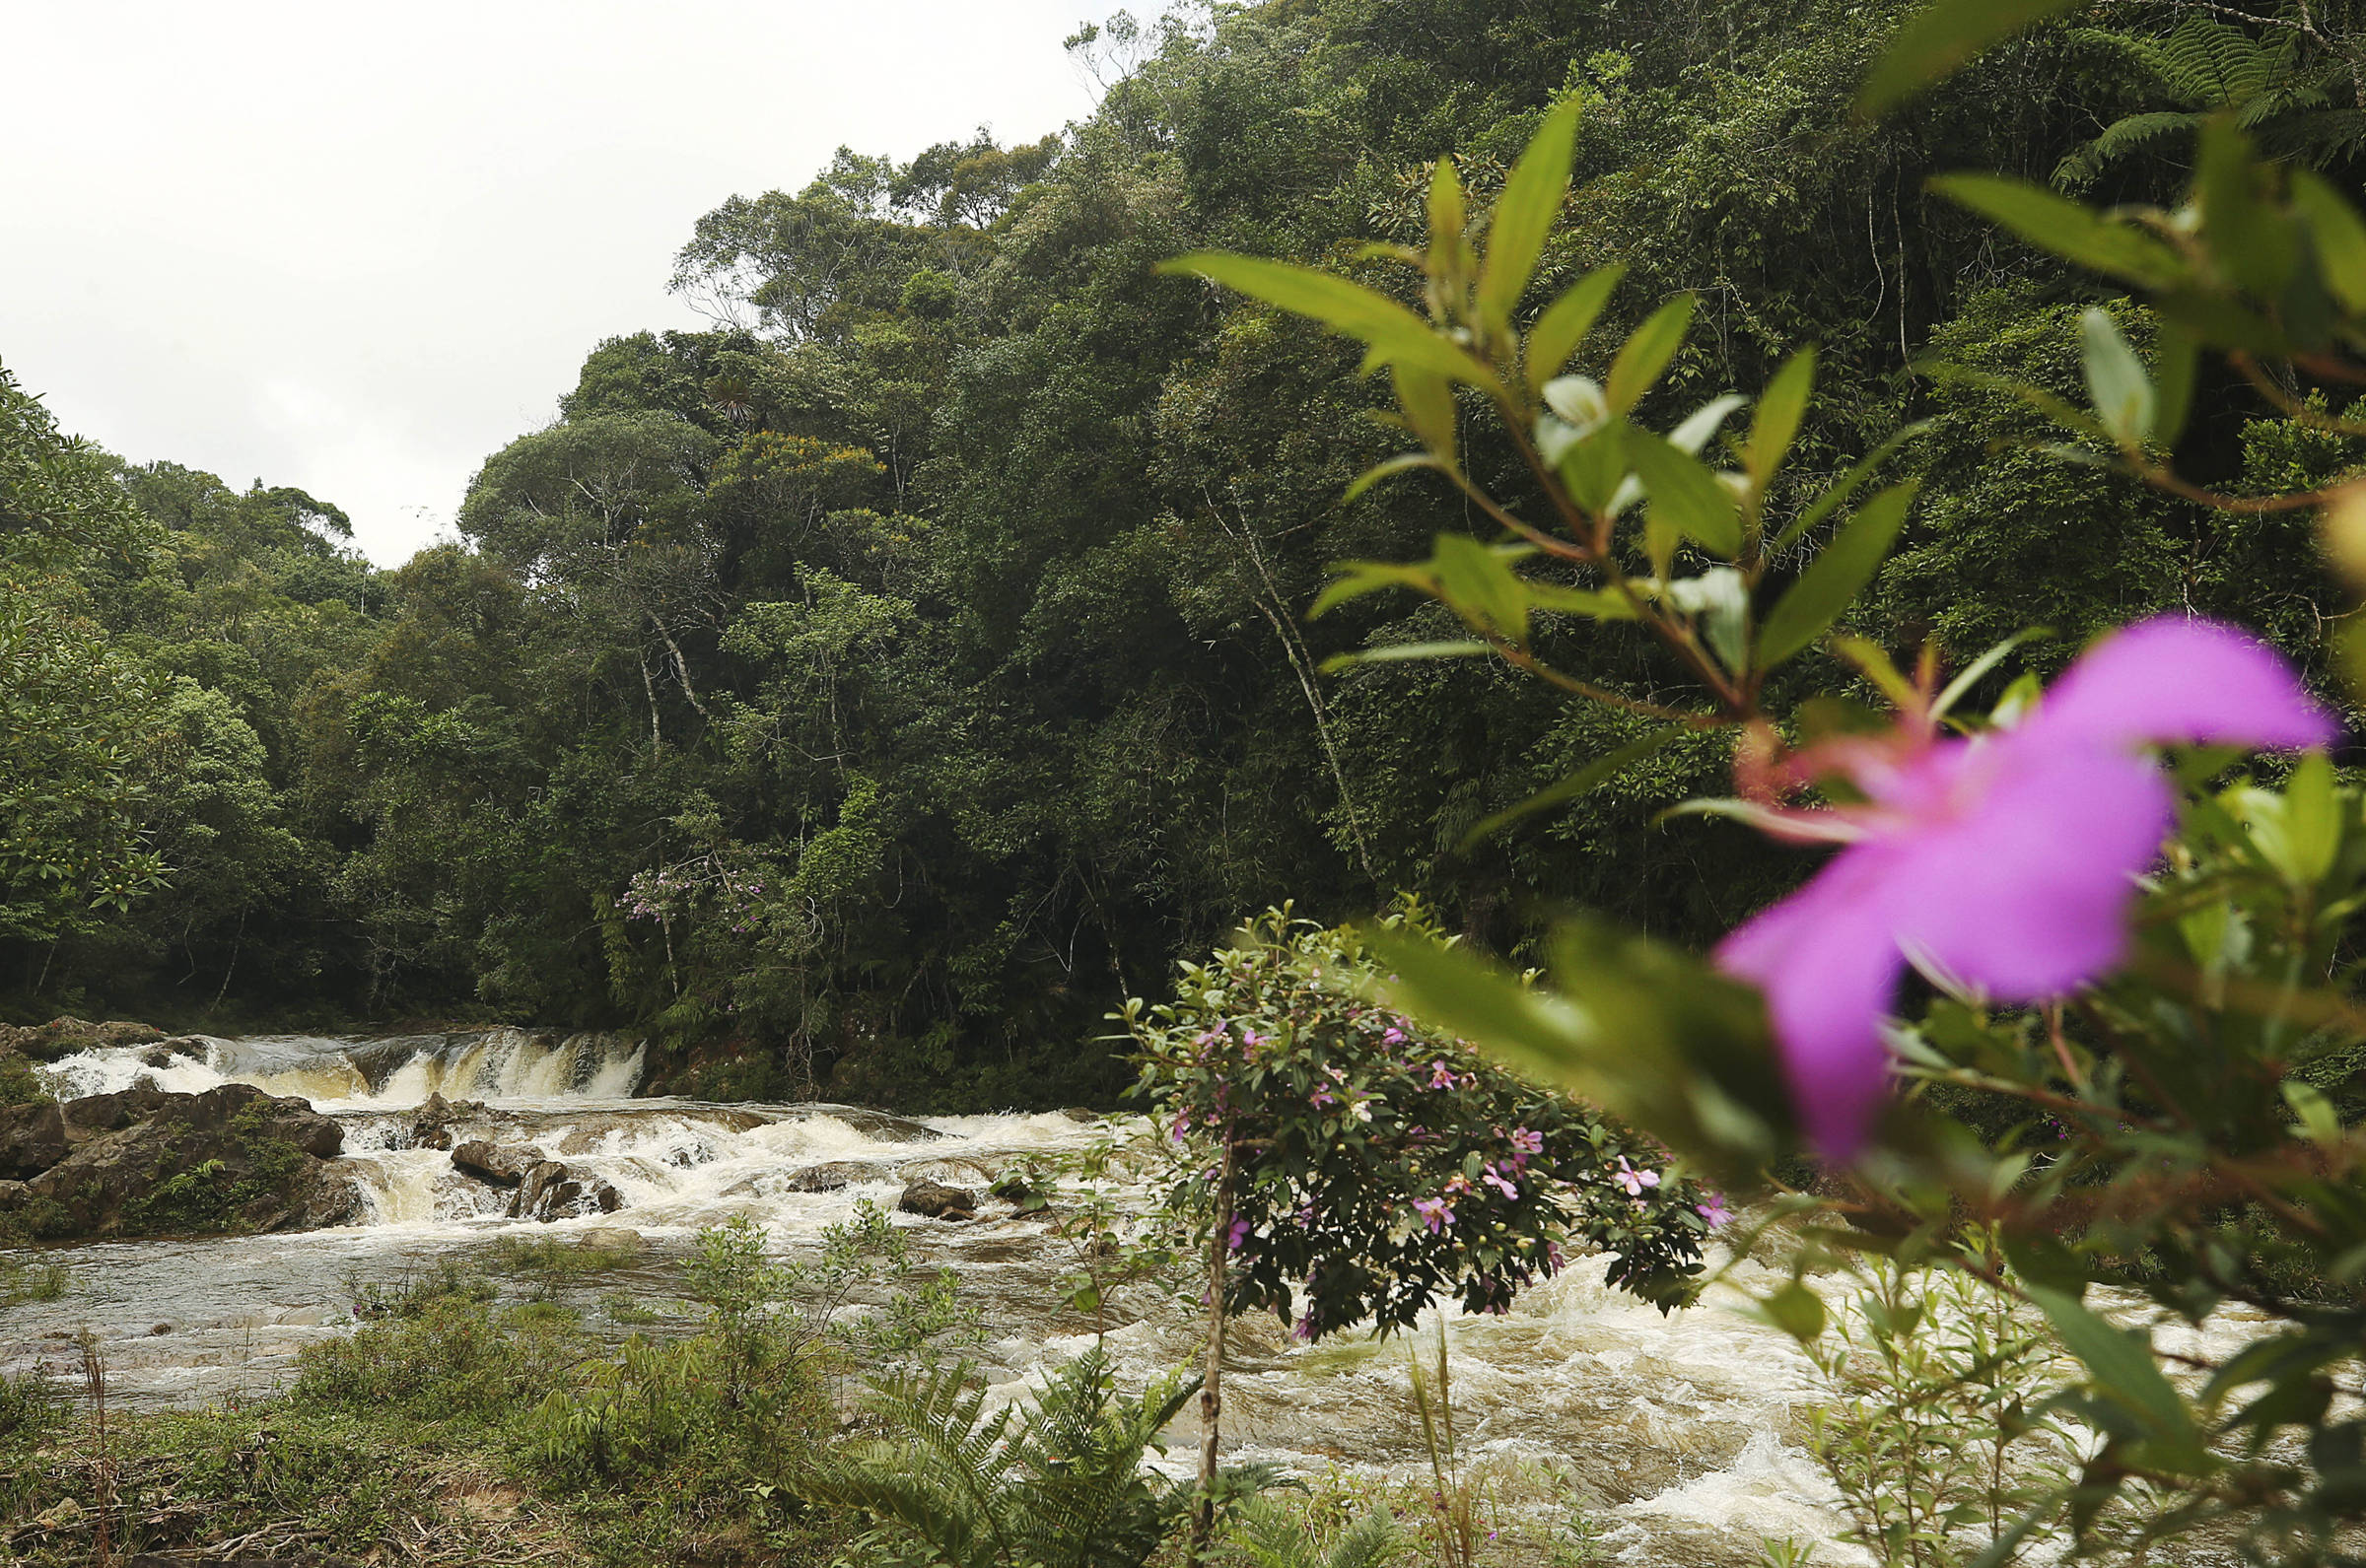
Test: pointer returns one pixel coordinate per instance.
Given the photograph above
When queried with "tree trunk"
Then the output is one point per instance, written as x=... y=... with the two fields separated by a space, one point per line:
x=1211 y=1382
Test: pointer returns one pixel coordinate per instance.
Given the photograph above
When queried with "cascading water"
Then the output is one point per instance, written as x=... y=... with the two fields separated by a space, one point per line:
x=1684 y=1431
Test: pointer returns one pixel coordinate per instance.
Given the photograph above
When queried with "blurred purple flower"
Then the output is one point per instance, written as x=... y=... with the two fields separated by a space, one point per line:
x=1239 y=1234
x=1714 y=1210
x=2005 y=862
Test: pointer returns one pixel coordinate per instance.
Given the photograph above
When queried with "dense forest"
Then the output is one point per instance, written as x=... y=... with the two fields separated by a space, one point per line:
x=864 y=695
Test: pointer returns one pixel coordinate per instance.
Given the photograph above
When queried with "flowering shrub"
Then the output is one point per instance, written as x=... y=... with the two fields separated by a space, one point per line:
x=1380 y=1165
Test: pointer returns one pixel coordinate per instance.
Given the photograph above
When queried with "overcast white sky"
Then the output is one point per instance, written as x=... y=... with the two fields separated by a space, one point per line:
x=356 y=248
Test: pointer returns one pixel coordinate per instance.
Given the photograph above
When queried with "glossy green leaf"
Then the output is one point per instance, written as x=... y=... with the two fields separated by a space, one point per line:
x=1836 y=577
x=1796 y=1310
x=1402 y=653
x=1526 y=211
x=1403 y=463
x=1477 y=582
x=1684 y=495
x=1427 y=403
x=2177 y=360
x=1941 y=40
x=2116 y=380
x=2339 y=236
x=1447 y=216
x=1566 y=322
x=1644 y=356
x=1356 y=579
x=1585 y=780
x=1780 y=409
x=1394 y=334
x=2123 y=1370
x=1702 y=423
x=1601 y=605
x=2054 y=221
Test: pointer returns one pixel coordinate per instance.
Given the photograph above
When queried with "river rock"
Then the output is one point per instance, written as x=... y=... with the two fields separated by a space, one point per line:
x=144 y=1162
x=612 y=1239
x=491 y=1162
x=835 y=1175
x=433 y=1121
x=62 y=1037
x=934 y=1200
x=552 y=1190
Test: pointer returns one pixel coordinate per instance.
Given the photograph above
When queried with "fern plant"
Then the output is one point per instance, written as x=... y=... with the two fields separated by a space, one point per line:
x=2207 y=67
x=1279 y=1537
x=1056 y=1484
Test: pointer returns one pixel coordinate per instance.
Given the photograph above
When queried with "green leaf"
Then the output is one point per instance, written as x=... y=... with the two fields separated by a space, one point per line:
x=1703 y=422
x=1428 y=401
x=1834 y=499
x=1780 y=408
x=1566 y=323
x=2177 y=358
x=1585 y=780
x=1478 y=584
x=1644 y=356
x=2123 y=1370
x=1836 y=577
x=1446 y=220
x=1395 y=335
x=1796 y=1310
x=1938 y=42
x=2313 y=814
x=1594 y=602
x=1968 y=676
x=1686 y=495
x=2055 y=223
x=2116 y=380
x=2340 y=234
x=1356 y=579
x=1526 y=211
x=1395 y=465
x=1400 y=653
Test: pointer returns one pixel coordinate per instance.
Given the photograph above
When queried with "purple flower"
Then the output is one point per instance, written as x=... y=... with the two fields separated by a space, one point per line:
x=1435 y=1212
x=2005 y=862
x=1714 y=1210
x=1239 y=1234
x=1528 y=1143
x=1495 y=1179
x=1442 y=1077
x=1635 y=1181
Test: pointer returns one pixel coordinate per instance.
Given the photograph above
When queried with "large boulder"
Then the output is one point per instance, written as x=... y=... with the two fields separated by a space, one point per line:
x=934 y=1200
x=432 y=1124
x=62 y=1037
x=494 y=1162
x=144 y=1162
x=553 y=1190
x=835 y=1175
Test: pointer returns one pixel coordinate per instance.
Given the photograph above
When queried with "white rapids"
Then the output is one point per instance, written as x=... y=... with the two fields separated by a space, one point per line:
x=1681 y=1437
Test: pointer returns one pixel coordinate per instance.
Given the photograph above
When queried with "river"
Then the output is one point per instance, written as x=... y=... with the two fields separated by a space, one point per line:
x=1680 y=1436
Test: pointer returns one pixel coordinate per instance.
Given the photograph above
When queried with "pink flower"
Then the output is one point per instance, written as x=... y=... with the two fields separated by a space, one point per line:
x=1528 y=1143
x=1435 y=1212
x=1635 y=1181
x=1442 y=1077
x=1495 y=1179
x=1239 y=1234
x=2005 y=862
x=1714 y=1210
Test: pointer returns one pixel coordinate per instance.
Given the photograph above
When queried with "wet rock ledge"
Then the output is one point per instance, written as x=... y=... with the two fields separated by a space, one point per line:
x=148 y=1162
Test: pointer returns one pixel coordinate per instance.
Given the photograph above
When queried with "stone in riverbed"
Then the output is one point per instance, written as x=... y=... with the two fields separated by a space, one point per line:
x=63 y=1037
x=554 y=1191
x=491 y=1162
x=936 y=1200
x=433 y=1121
x=612 y=1239
x=835 y=1175
x=144 y=1162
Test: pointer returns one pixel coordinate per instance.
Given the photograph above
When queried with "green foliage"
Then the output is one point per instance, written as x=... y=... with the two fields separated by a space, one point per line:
x=1377 y=1164
x=1055 y=1483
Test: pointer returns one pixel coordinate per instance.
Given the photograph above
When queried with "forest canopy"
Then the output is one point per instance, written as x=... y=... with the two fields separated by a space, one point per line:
x=867 y=694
